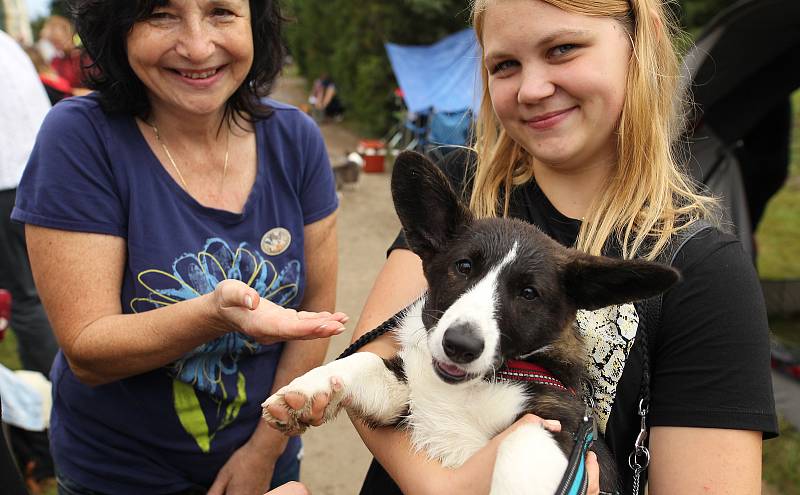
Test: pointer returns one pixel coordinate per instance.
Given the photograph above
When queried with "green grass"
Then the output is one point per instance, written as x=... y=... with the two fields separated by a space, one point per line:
x=778 y=234
x=786 y=330
x=778 y=240
x=8 y=351
x=781 y=460
x=10 y=359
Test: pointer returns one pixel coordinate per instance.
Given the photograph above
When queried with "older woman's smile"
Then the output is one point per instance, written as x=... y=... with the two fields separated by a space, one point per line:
x=192 y=56
x=200 y=78
x=198 y=74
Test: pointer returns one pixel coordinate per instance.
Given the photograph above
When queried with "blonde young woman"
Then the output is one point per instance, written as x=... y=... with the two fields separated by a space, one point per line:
x=579 y=114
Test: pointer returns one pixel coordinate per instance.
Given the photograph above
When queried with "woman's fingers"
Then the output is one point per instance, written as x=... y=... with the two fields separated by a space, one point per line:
x=593 y=472
x=291 y=488
x=291 y=328
x=553 y=425
x=234 y=293
x=310 y=315
x=245 y=311
x=528 y=419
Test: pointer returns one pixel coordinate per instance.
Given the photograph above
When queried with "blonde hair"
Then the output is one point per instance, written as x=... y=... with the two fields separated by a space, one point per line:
x=647 y=199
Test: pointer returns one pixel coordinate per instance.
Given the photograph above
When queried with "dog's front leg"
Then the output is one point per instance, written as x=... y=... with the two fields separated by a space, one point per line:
x=529 y=462
x=363 y=383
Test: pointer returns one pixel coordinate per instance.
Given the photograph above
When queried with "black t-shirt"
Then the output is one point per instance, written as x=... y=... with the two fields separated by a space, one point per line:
x=709 y=357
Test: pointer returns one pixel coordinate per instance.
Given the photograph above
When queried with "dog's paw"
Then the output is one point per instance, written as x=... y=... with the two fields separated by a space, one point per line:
x=318 y=384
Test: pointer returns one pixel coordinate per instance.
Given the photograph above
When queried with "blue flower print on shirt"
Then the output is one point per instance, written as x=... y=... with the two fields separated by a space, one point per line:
x=203 y=371
x=195 y=274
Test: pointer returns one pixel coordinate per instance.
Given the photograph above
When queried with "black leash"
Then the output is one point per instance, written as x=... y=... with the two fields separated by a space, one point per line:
x=386 y=326
x=639 y=458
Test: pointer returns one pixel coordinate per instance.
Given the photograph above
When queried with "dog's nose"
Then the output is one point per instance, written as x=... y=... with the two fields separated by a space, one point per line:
x=461 y=344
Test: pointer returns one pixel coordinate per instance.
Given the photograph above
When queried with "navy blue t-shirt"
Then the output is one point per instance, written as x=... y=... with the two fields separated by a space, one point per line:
x=173 y=427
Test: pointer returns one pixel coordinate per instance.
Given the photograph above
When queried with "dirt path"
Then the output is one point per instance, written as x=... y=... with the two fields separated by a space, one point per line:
x=335 y=458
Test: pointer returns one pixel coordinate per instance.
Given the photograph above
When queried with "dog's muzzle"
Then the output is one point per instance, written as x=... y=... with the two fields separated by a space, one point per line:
x=462 y=344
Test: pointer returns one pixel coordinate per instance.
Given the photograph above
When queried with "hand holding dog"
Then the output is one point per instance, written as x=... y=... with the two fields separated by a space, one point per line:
x=240 y=308
x=247 y=472
x=592 y=466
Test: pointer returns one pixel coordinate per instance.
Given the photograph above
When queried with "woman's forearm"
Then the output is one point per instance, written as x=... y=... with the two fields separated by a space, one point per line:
x=416 y=474
x=118 y=346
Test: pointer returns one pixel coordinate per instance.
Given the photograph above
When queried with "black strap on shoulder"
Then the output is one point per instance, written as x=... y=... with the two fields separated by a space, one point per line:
x=653 y=305
x=639 y=458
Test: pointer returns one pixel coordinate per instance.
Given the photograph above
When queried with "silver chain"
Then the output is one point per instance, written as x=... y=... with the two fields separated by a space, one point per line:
x=639 y=459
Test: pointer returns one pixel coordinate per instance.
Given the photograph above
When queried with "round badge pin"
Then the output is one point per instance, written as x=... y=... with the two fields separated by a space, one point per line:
x=276 y=241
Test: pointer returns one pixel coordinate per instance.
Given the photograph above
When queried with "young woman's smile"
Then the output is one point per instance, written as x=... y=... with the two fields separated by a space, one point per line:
x=550 y=120
x=556 y=80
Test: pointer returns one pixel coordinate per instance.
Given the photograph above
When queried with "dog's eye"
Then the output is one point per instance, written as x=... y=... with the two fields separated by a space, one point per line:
x=464 y=266
x=529 y=293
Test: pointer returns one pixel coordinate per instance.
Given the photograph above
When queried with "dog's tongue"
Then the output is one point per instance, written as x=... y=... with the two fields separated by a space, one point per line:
x=452 y=370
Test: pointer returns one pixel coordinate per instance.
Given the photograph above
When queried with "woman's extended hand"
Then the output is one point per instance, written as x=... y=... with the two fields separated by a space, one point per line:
x=241 y=309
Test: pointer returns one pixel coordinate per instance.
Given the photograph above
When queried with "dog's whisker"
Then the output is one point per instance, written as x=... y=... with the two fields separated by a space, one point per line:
x=435 y=317
x=537 y=351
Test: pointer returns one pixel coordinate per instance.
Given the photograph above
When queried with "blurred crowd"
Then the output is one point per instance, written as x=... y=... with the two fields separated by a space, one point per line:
x=57 y=58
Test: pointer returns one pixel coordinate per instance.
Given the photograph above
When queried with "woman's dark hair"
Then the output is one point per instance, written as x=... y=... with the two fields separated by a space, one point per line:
x=103 y=26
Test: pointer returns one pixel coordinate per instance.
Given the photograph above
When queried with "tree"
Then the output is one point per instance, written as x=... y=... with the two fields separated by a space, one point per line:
x=59 y=7
x=346 y=40
x=696 y=13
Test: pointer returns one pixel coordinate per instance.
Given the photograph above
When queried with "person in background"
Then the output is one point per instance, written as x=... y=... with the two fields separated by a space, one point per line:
x=68 y=60
x=57 y=87
x=580 y=110
x=182 y=233
x=23 y=107
x=324 y=98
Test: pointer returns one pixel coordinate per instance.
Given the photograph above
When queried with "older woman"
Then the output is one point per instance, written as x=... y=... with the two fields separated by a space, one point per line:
x=175 y=221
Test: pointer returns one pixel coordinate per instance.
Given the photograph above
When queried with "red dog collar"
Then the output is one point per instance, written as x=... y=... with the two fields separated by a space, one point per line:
x=523 y=371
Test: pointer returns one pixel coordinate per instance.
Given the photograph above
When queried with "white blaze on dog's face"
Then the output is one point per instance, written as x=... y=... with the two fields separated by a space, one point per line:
x=495 y=292
x=465 y=341
x=500 y=288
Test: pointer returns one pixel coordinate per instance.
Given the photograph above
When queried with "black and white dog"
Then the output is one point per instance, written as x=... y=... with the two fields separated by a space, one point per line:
x=500 y=292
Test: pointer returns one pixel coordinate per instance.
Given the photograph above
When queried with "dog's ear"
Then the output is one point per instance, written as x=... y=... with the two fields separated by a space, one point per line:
x=594 y=282
x=426 y=204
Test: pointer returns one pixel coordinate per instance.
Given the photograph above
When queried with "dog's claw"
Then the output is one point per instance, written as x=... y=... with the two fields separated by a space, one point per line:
x=312 y=385
x=293 y=426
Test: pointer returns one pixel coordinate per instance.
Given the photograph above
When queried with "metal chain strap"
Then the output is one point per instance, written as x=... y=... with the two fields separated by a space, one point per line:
x=639 y=459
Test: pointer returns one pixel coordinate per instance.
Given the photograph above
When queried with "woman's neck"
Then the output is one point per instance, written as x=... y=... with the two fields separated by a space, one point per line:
x=572 y=190
x=198 y=129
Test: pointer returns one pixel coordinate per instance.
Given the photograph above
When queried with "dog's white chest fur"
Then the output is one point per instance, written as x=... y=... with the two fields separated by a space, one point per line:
x=451 y=422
